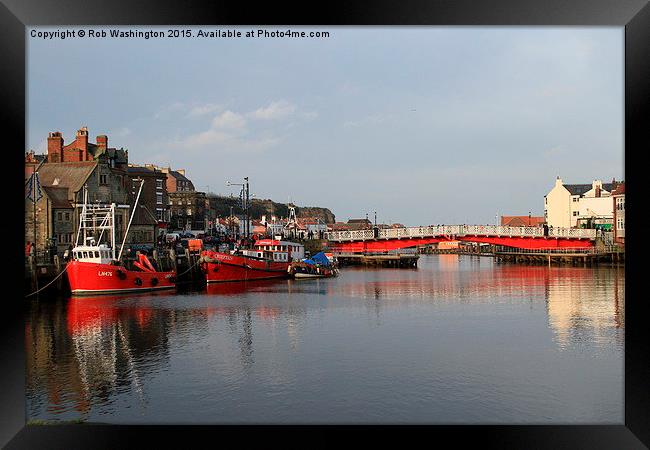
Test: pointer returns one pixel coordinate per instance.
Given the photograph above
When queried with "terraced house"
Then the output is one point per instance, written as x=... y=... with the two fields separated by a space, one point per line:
x=63 y=172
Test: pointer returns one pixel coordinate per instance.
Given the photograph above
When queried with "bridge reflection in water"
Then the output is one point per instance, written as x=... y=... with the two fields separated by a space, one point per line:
x=109 y=358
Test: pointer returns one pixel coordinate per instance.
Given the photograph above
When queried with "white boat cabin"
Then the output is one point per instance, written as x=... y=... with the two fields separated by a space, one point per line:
x=276 y=250
x=99 y=254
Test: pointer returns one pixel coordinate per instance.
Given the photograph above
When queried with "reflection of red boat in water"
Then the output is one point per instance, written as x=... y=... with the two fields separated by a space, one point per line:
x=84 y=313
x=94 y=268
x=241 y=287
x=269 y=258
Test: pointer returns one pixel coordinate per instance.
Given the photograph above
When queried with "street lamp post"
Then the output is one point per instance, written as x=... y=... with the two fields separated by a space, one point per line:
x=245 y=200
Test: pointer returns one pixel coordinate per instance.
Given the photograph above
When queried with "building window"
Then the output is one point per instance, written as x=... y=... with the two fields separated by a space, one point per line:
x=575 y=199
x=67 y=216
x=159 y=198
x=102 y=179
x=620 y=204
x=575 y=213
x=59 y=216
x=159 y=184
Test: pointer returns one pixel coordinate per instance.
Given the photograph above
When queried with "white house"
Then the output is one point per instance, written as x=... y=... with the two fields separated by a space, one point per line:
x=274 y=227
x=574 y=205
x=315 y=226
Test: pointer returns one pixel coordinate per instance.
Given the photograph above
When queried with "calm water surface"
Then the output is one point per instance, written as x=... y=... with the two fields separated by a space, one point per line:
x=458 y=340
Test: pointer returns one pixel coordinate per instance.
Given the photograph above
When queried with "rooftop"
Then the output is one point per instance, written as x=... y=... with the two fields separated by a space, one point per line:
x=70 y=175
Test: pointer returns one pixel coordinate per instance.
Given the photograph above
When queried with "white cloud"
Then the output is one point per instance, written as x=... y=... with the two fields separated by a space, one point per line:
x=276 y=110
x=229 y=120
x=201 y=110
x=228 y=132
x=226 y=142
x=234 y=132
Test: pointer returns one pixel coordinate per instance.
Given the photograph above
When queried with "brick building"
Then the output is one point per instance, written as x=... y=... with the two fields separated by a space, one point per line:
x=152 y=214
x=188 y=210
x=63 y=174
x=176 y=180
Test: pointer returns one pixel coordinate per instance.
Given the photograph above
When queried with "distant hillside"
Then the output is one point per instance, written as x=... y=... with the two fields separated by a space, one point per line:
x=267 y=207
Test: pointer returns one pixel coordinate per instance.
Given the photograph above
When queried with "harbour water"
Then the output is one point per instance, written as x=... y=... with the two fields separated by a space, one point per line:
x=460 y=339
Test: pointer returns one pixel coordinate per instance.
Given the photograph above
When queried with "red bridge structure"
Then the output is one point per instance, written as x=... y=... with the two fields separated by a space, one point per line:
x=384 y=240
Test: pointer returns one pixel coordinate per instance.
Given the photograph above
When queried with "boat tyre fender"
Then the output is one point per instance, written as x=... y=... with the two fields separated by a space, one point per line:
x=138 y=282
x=154 y=281
x=121 y=275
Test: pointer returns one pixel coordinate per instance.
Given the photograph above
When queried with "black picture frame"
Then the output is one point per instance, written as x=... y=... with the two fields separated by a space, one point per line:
x=634 y=15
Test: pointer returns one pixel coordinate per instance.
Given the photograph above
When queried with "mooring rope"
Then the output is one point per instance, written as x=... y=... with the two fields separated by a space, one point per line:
x=53 y=280
x=198 y=261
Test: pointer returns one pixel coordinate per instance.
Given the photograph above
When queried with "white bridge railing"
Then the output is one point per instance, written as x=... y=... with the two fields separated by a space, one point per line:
x=458 y=231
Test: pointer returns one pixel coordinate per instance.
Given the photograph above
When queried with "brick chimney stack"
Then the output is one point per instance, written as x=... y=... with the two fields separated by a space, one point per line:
x=82 y=142
x=55 y=147
x=102 y=141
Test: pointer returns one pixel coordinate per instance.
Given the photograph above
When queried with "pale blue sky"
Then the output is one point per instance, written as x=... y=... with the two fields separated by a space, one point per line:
x=424 y=125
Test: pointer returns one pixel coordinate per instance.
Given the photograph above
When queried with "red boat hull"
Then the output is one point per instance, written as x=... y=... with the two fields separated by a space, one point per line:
x=241 y=268
x=92 y=278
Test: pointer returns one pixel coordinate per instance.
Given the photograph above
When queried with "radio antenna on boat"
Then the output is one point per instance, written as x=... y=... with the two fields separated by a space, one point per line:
x=128 y=227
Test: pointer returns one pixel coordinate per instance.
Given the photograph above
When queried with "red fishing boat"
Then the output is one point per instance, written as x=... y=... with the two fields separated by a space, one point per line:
x=269 y=258
x=94 y=268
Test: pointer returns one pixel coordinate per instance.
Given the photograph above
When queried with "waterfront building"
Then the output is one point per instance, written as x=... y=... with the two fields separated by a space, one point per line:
x=176 y=180
x=618 y=196
x=63 y=173
x=258 y=228
x=340 y=226
x=188 y=211
x=579 y=205
x=522 y=221
x=275 y=227
x=152 y=216
x=314 y=225
x=359 y=224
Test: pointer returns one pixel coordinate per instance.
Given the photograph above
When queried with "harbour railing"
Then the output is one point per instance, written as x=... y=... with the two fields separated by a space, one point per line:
x=458 y=231
x=397 y=252
x=561 y=250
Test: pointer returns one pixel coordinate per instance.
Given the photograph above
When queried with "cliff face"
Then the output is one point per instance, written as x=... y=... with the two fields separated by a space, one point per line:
x=323 y=214
x=268 y=207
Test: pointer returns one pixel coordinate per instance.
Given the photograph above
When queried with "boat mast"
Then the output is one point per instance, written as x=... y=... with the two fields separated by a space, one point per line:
x=128 y=227
x=113 y=230
x=82 y=216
